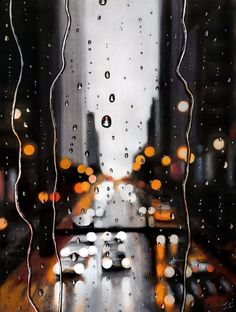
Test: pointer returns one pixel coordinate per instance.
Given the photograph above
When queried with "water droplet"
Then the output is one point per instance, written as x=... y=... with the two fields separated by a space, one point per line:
x=126 y=155
x=86 y=153
x=102 y=2
x=74 y=127
x=112 y=98
x=107 y=75
x=6 y=38
x=66 y=103
x=71 y=150
x=106 y=121
x=25 y=124
x=40 y=292
x=79 y=86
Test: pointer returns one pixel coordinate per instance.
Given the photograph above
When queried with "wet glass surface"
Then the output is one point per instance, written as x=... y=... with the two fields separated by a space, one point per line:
x=117 y=144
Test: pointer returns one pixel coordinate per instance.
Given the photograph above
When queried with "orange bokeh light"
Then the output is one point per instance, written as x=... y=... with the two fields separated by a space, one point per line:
x=28 y=149
x=156 y=184
x=140 y=159
x=43 y=197
x=89 y=171
x=85 y=186
x=81 y=168
x=3 y=224
x=54 y=196
x=65 y=163
x=149 y=151
x=166 y=160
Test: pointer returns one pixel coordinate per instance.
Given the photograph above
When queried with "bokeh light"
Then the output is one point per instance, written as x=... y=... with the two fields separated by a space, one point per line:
x=149 y=151
x=28 y=149
x=65 y=163
x=183 y=106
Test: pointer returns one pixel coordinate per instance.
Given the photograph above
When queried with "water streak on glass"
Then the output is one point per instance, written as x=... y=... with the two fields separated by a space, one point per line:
x=187 y=137
x=16 y=197
x=55 y=143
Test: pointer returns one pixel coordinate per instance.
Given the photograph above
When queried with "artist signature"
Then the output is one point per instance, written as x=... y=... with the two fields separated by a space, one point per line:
x=228 y=305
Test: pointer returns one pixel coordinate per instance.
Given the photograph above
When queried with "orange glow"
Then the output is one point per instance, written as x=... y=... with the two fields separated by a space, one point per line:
x=155 y=202
x=156 y=184
x=43 y=197
x=85 y=186
x=81 y=168
x=160 y=292
x=89 y=171
x=166 y=160
x=163 y=215
x=140 y=159
x=54 y=196
x=65 y=163
x=182 y=152
x=160 y=252
x=192 y=158
x=173 y=249
x=28 y=149
x=136 y=167
x=141 y=184
x=210 y=268
x=3 y=224
x=92 y=179
x=78 y=188
x=160 y=267
x=149 y=151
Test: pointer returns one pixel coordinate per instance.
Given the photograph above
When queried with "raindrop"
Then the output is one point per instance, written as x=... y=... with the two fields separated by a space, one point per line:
x=86 y=153
x=112 y=98
x=107 y=75
x=102 y=2
x=126 y=155
x=79 y=86
x=66 y=103
x=106 y=121
x=25 y=124
x=71 y=150
x=74 y=127
x=6 y=38
x=40 y=292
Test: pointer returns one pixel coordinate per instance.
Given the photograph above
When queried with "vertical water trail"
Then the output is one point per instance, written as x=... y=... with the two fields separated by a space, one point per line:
x=21 y=214
x=187 y=137
x=55 y=143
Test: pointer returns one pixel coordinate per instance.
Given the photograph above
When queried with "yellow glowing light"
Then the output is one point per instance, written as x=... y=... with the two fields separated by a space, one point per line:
x=140 y=159
x=17 y=113
x=166 y=160
x=183 y=106
x=192 y=158
x=136 y=167
x=81 y=168
x=182 y=152
x=156 y=184
x=43 y=197
x=65 y=163
x=28 y=149
x=92 y=179
x=149 y=151
x=85 y=186
x=218 y=144
x=3 y=224
x=88 y=171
